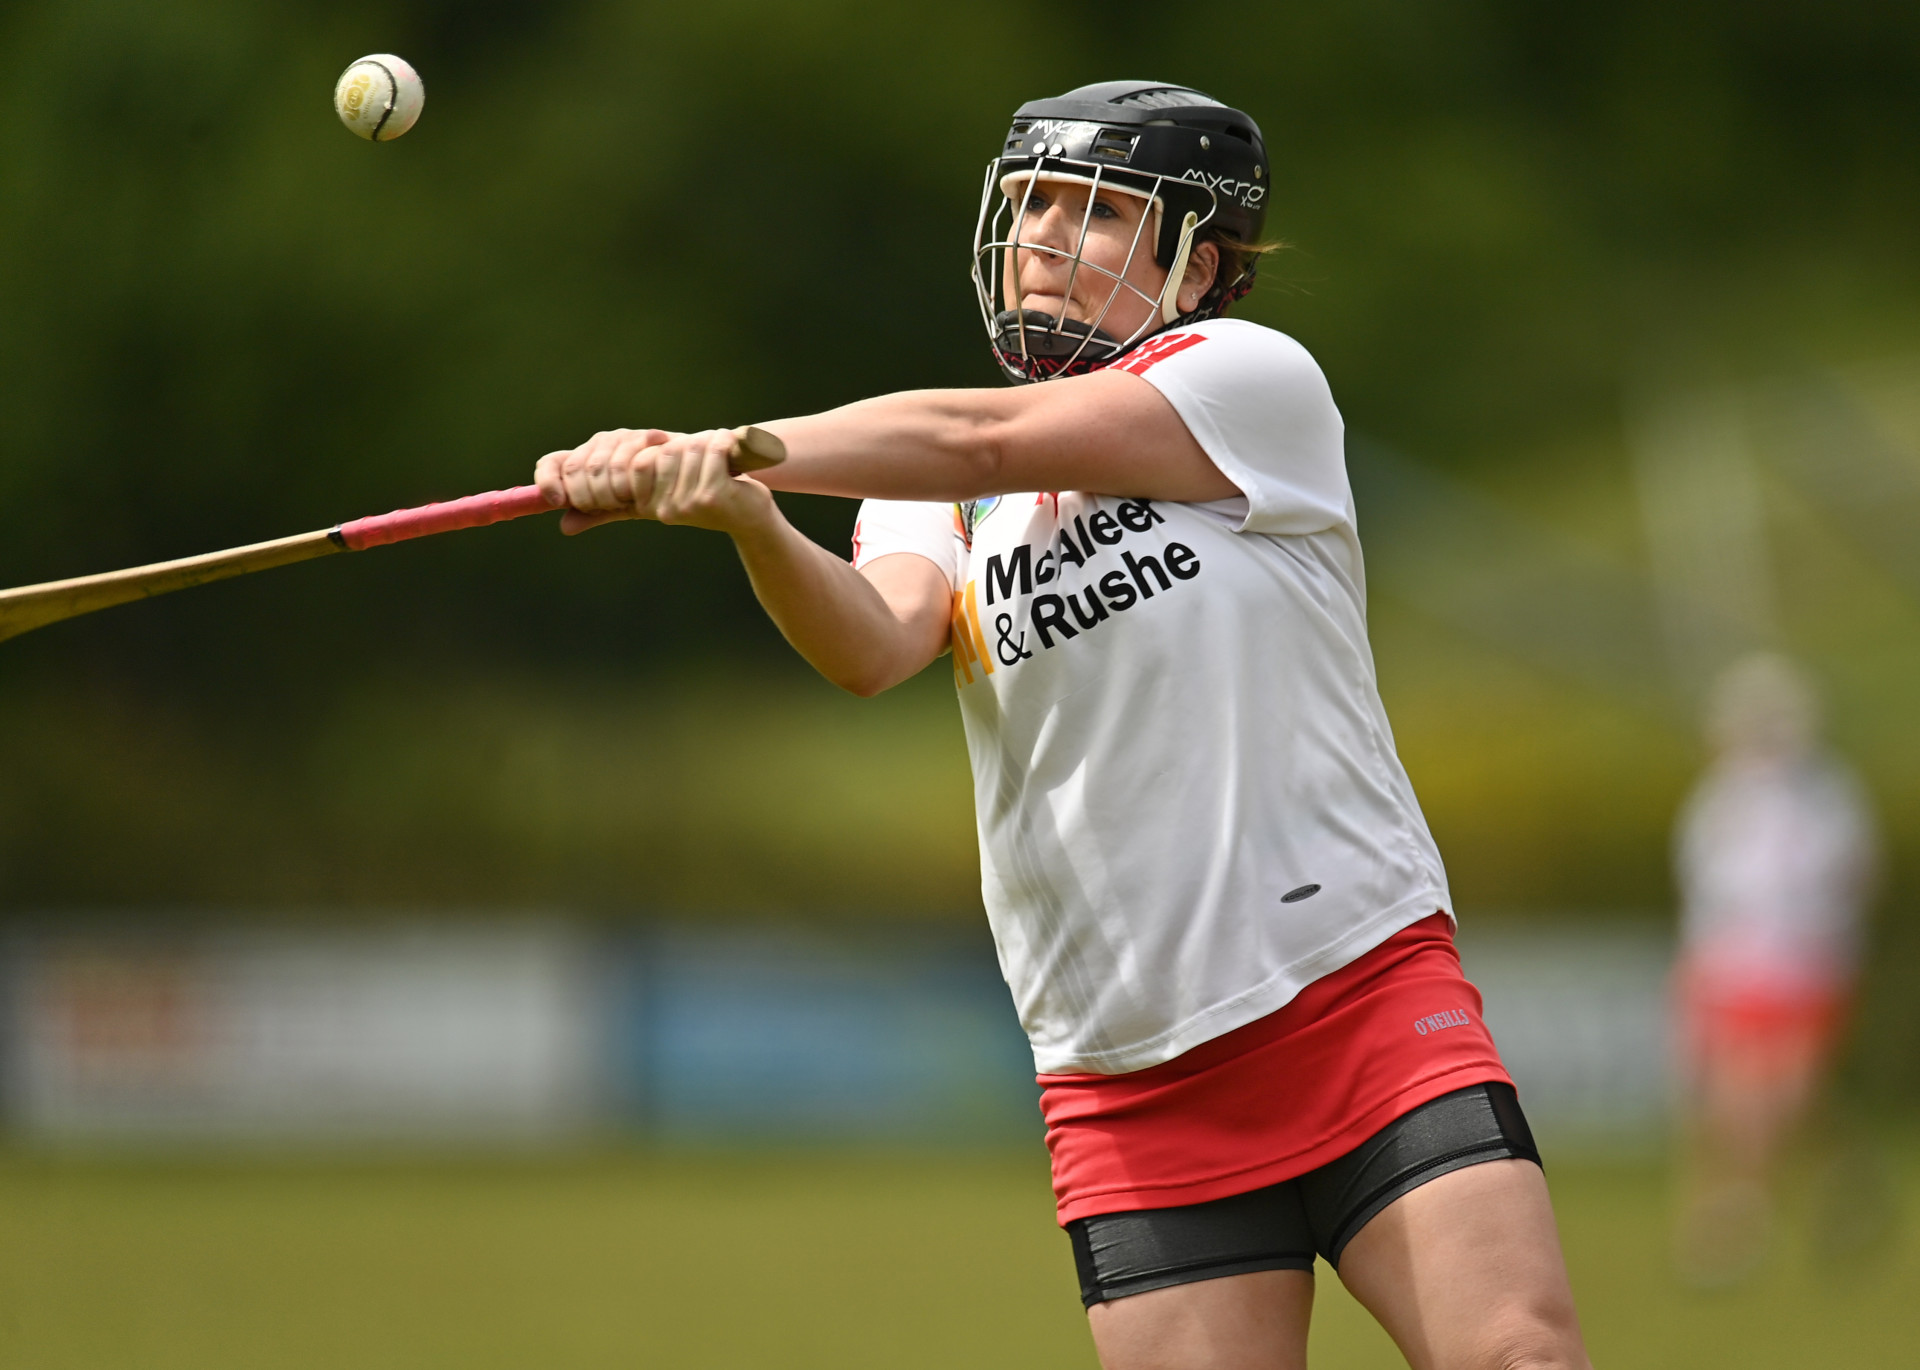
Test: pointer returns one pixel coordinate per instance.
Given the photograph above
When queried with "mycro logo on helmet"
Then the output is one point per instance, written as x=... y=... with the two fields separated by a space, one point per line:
x=1054 y=128
x=1246 y=194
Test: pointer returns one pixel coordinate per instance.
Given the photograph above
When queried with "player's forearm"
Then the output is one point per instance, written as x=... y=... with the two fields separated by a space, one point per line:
x=933 y=445
x=1109 y=434
x=828 y=611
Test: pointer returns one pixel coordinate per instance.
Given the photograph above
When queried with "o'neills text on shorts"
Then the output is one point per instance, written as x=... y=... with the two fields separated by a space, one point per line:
x=1439 y=1022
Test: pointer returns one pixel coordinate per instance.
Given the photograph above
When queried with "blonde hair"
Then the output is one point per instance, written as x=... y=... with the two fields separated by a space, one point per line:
x=1238 y=266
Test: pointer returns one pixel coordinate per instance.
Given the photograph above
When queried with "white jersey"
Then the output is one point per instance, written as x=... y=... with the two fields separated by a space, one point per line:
x=1774 y=859
x=1188 y=798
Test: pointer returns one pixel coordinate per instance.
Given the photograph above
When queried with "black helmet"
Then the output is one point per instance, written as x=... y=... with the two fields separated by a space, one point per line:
x=1199 y=162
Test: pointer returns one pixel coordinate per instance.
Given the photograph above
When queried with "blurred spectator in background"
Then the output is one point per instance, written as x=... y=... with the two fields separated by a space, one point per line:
x=1775 y=856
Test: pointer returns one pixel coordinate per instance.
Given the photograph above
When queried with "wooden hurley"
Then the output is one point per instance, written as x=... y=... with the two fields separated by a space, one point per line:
x=35 y=606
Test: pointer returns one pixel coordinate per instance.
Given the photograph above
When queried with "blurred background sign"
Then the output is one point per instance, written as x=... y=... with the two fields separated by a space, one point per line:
x=442 y=1033
x=482 y=1034
x=474 y=1034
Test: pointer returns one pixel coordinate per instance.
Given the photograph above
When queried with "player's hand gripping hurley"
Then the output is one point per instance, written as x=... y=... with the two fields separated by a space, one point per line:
x=35 y=606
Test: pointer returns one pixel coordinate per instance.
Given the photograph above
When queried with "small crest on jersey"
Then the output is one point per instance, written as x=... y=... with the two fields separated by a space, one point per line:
x=971 y=514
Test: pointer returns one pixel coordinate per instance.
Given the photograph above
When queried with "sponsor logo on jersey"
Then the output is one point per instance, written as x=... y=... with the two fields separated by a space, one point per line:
x=1032 y=618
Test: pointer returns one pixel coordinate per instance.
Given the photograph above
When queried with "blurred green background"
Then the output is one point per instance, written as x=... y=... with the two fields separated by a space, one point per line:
x=1513 y=228
x=226 y=319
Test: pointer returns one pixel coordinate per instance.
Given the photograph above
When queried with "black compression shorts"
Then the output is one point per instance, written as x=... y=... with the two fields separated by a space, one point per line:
x=1283 y=1226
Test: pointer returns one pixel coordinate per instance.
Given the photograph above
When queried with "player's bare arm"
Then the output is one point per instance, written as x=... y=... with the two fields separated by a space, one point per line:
x=864 y=630
x=1107 y=433
x=1104 y=432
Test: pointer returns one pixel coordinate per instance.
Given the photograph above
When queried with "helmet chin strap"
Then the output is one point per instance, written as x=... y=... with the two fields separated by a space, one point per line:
x=1170 y=295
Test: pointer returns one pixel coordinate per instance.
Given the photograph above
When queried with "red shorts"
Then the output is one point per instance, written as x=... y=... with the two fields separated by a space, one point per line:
x=1280 y=1096
x=1759 y=1027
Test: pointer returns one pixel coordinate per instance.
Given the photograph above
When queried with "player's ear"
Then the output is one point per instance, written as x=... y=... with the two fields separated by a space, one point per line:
x=1202 y=267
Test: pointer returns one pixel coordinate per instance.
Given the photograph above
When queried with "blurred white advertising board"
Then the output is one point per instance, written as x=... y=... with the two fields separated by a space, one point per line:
x=429 y=1032
x=1580 y=1015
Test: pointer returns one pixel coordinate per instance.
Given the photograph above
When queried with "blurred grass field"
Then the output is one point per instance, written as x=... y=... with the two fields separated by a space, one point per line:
x=636 y=1259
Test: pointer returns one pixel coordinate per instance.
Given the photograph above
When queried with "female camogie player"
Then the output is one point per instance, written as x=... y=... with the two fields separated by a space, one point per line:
x=1223 y=920
x=1776 y=857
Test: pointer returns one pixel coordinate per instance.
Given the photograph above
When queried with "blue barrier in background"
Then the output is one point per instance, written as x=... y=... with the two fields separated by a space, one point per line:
x=764 y=1034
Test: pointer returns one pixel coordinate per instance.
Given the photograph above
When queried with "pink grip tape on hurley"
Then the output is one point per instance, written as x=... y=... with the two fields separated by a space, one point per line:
x=475 y=511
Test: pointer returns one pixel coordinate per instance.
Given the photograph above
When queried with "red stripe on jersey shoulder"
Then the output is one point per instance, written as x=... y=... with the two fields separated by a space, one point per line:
x=1156 y=350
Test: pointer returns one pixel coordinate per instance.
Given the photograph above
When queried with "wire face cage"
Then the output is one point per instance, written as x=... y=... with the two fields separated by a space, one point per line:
x=1032 y=345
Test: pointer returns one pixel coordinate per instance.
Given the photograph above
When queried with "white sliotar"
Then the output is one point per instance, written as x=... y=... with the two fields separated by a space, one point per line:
x=379 y=97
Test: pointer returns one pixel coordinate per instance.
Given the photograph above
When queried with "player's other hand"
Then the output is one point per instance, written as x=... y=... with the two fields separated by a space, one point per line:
x=647 y=473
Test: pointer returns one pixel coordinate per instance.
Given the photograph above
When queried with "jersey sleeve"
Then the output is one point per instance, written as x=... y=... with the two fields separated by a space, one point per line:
x=1259 y=406
x=887 y=526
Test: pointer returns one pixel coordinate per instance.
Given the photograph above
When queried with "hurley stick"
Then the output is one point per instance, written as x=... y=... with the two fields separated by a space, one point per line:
x=35 y=606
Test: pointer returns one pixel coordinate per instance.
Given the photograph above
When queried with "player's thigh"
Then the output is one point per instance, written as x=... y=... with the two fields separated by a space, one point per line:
x=1465 y=1273
x=1255 y=1321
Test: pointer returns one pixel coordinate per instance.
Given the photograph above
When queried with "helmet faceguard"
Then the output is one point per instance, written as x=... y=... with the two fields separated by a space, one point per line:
x=1197 y=163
